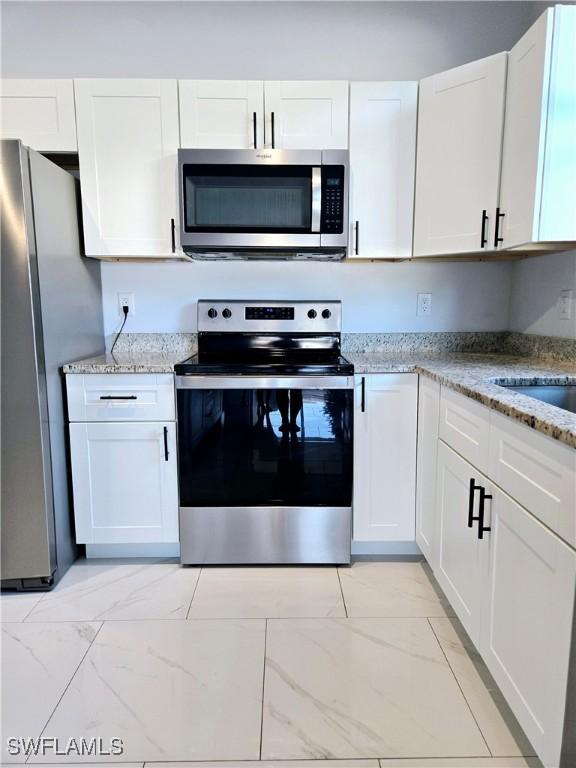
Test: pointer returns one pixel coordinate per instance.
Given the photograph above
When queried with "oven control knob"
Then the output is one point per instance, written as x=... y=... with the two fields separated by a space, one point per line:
x=212 y=312
x=326 y=314
x=312 y=314
x=226 y=313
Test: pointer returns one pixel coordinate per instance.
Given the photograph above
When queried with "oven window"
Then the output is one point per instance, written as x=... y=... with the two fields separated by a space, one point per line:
x=247 y=198
x=265 y=447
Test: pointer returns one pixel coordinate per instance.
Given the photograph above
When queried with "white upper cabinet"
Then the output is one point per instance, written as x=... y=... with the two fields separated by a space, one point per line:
x=128 y=139
x=221 y=114
x=40 y=113
x=385 y=423
x=460 y=123
x=538 y=188
x=306 y=114
x=382 y=162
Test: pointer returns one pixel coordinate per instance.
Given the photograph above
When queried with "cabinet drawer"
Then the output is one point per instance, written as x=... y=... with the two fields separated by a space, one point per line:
x=121 y=397
x=540 y=473
x=465 y=427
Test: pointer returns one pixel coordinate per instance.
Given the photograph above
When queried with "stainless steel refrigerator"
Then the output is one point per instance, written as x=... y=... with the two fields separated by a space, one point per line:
x=51 y=314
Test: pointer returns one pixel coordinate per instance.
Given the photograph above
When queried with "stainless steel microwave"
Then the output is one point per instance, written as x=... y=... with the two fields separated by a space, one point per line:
x=263 y=203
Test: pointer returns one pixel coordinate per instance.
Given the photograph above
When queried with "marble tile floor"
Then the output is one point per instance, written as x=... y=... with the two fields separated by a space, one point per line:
x=360 y=667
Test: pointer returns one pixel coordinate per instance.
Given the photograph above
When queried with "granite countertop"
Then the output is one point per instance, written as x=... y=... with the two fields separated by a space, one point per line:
x=477 y=376
x=471 y=374
x=129 y=361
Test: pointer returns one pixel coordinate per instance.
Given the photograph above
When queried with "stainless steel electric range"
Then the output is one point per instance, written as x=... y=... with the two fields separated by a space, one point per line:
x=265 y=435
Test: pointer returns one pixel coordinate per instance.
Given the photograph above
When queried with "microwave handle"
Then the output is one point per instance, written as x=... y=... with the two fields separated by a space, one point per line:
x=316 y=198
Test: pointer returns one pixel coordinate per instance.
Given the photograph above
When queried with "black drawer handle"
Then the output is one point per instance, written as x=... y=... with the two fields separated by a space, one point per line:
x=118 y=397
x=173 y=234
x=483 y=238
x=473 y=489
x=166 y=453
x=363 y=395
x=255 y=129
x=497 y=238
x=272 y=124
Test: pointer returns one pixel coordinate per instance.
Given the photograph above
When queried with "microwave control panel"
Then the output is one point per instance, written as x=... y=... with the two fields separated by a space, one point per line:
x=332 y=212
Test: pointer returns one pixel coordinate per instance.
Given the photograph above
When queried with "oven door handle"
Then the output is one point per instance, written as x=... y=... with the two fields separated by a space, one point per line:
x=194 y=381
x=316 y=198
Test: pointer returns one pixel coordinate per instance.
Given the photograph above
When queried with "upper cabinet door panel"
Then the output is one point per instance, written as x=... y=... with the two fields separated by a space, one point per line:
x=40 y=113
x=127 y=143
x=460 y=121
x=383 y=158
x=306 y=114
x=538 y=190
x=221 y=114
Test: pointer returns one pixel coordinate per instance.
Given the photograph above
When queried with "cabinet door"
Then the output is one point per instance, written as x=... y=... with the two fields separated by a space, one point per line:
x=125 y=482
x=221 y=114
x=385 y=457
x=462 y=556
x=460 y=121
x=428 y=418
x=528 y=621
x=40 y=113
x=538 y=190
x=127 y=145
x=306 y=115
x=382 y=158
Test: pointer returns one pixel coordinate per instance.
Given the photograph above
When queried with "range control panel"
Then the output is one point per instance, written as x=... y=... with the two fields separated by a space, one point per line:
x=332 y=211
x=269 y=316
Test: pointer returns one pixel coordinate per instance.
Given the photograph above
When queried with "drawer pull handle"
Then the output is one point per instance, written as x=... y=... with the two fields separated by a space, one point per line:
x=363 y=395
x=483 y=238
x=118 y=397
x=471 y=516
x=166 y=452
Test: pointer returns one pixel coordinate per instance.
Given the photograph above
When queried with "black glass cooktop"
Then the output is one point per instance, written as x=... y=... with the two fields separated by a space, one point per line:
x=279 y=366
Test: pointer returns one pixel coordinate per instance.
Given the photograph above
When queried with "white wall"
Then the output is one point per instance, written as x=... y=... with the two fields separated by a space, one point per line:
x=536 y=286
x=377 y=297
x=269 y=40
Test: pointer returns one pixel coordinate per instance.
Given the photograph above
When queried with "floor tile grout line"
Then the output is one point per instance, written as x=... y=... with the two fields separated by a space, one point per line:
x=342 y=593
x=263 y=688
x=68 y=684
x=460 y=687
x=194 y=593
x=36 y=604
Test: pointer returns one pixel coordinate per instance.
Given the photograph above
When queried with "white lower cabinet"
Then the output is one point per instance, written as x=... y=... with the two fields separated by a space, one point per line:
x=528 y=620
x=385 y=422
x=125 y=482
x=461 y=568
x=428 y=418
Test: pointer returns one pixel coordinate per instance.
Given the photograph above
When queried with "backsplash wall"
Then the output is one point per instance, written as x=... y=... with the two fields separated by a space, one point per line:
x=466 y=296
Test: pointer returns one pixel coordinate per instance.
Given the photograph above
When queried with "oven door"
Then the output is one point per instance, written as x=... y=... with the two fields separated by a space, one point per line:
x=265 y=469
x=245 y=199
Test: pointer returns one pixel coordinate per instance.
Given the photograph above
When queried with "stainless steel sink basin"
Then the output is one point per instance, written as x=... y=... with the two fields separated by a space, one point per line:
x=560 y=395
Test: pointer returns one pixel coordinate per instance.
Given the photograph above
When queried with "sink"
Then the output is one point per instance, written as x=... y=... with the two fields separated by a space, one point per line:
x=560 y=395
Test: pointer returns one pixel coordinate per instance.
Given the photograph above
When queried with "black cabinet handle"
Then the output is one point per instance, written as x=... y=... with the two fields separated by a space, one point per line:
x=356 y=237
x=118 y=397
x=483 y=238
x=473 y=489
x=363 y=395
x=481 y=527
x=497 y=238
x=173 y=234
x=273 y=130
x=254 y=129
x=166 y=453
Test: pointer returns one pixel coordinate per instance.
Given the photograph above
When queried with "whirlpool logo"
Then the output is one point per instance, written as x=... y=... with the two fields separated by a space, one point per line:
x=80 y=747
x=265 y=157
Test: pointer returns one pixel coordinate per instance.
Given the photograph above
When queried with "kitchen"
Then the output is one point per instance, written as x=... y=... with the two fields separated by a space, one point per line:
x=378 y=531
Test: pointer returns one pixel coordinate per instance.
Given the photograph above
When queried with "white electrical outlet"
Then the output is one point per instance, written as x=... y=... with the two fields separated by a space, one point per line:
x=424 y=306
x=565 y=302
x=126 y=300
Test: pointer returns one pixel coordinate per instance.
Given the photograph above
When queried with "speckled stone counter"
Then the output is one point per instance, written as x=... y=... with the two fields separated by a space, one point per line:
x=477 y=376
x=129 y=362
